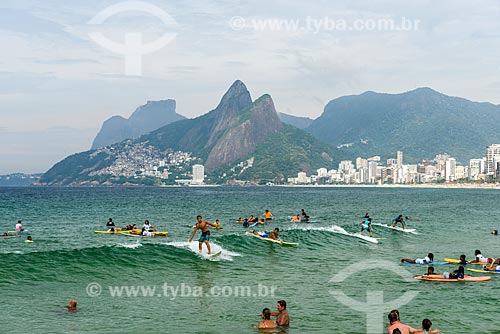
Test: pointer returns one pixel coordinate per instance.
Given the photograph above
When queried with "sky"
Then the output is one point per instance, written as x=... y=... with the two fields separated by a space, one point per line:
x=58 y=82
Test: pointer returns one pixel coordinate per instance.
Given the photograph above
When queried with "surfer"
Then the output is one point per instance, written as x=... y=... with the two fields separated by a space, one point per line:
x=110 y=222
x=260 y=234
x=494 y=232
x=398 y=219
x=480 y=257
x=267 y=215
x=430 y=271
x=493 y=265
x=274 y=234
x=366 y=225
x=217 y=224
x=303 y=216
x=456 y=274
x=19 y=226
x=426 y=260
x=205 y=232
x=29 y=238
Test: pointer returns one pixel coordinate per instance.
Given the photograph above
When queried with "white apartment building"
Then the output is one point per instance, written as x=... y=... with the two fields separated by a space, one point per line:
x=449 y=169
x=476 y=168
x=492 y=153
x=198 y=174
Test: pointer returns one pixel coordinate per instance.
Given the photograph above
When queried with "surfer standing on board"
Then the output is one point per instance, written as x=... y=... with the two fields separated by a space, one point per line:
x=205 y=232
x=398 y=219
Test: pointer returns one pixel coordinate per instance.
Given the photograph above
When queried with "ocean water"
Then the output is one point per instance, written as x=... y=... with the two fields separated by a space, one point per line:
x=67 y=260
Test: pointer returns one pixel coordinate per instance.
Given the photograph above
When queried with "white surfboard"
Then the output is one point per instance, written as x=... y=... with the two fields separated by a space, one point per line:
x=397 y=228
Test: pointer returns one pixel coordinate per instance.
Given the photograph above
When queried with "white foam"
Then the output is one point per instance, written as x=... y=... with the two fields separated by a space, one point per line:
x=214 y=247
x=334 y=229
x=131 y=246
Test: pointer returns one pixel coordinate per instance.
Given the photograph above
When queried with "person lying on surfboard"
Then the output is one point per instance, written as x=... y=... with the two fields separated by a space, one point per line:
x=480 y=257
x=273 y=235
x=398 y=219
x=493 y=265
x=205 y=233
x=456 y=274
x=430 y=271
x=428 y=259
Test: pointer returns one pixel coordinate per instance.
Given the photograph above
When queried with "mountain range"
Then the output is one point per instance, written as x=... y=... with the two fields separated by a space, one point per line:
x=239 y=139
x=242 y=139
x=421 y=123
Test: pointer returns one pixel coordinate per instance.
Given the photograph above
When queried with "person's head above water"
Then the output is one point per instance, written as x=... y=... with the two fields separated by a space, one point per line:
x=72 y=305
x=266 y=314
x=426 y=324
x=393 y=316
x=430 y=256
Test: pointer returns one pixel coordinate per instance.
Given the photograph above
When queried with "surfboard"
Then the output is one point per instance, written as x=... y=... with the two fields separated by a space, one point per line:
x=28 y=241
x=214 y=254
x=428 y=264
x=458 y=261
x=397 y=228
x=9 y=236
x=484 y=271
x=23 y=231
x=281 y=242
x=439 y=278
x=366 y=237
x=156 y=234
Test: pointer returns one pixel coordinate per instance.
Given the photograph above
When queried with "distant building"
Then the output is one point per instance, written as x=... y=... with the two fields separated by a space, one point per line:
x=198 y=174
x=492 y=158
x=399 y=158
x=459 y=172
x=476 y=168
x=302 y=178
x=449 y=171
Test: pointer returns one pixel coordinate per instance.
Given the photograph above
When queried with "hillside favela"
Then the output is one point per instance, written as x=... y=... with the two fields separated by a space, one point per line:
x=249 y=167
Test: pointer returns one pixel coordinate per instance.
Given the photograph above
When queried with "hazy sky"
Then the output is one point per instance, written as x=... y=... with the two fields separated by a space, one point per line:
x=57 y=85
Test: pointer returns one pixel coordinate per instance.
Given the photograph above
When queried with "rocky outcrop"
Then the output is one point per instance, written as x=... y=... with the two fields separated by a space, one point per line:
x=250 y=127
x=149 y=117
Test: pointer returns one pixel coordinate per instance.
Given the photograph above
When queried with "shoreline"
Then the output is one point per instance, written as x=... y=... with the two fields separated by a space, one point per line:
x=432 y=186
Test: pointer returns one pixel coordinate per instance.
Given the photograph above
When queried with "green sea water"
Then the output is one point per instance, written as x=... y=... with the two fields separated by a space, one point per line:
x=67 y=260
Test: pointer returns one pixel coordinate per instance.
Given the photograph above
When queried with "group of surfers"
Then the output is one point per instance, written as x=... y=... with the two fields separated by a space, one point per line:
x=302 y=217
x=366 y=223
x=204 y=227
x=489 y=264
x=147 y=230
x=266 y=216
